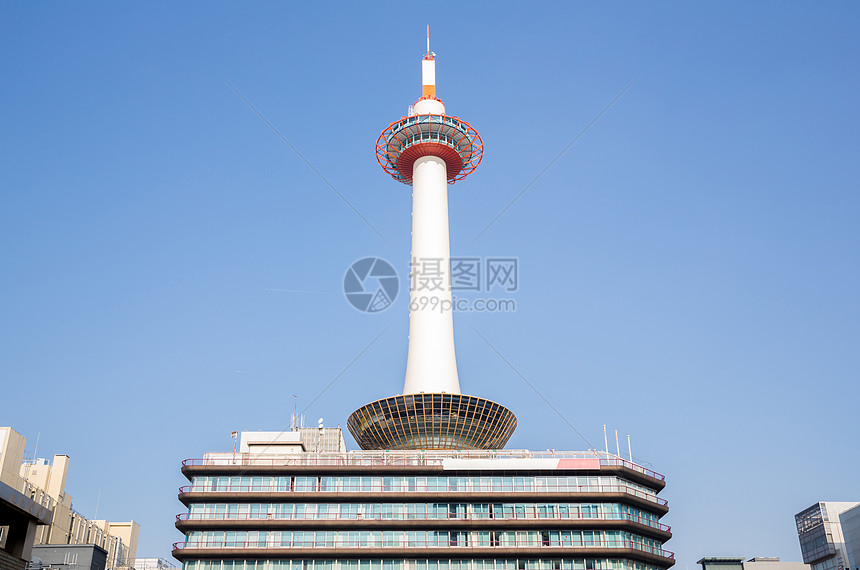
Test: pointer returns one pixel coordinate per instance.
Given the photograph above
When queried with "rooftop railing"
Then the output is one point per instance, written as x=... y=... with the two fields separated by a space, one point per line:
x=409 y=458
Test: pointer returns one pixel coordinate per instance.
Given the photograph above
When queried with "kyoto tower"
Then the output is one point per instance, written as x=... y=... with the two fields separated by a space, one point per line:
x=430 y=150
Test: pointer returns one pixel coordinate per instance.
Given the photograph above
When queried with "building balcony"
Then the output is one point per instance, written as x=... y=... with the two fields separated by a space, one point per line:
x=622 y=521
x=232 y=493
x=447 y=549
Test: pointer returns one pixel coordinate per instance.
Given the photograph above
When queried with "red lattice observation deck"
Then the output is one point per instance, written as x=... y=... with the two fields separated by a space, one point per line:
x=450 y=138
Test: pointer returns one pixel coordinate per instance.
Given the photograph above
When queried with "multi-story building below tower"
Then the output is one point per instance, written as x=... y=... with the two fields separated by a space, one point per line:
x=421 y=510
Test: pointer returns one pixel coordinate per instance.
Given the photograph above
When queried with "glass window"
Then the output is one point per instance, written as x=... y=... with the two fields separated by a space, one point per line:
x=305 y=484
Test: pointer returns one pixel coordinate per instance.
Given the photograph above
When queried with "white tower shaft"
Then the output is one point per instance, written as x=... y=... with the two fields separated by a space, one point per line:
x=431 y=365
x=430 y=150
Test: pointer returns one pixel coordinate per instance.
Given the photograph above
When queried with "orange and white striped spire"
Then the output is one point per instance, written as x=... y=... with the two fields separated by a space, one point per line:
x=428 y=72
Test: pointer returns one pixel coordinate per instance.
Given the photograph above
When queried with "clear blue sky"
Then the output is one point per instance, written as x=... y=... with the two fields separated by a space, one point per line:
x=688 y=269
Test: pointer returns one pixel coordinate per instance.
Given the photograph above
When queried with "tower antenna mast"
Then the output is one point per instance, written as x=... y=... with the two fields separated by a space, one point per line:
x=428 y=40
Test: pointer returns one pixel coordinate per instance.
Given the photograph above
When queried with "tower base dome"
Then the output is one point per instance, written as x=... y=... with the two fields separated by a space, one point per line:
x=432 y=421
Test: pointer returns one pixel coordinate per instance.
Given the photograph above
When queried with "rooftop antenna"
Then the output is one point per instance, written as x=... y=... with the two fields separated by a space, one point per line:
x=295 y=412
x=35 y=451
x=428 y=40
x=629 y=449
x=617 y=447
x=605 y=441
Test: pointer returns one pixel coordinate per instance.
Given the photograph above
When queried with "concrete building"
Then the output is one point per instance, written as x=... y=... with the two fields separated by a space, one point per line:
x=773 y=563
x=721 y=563
x=849 y=519
x=820 y=534
x=20 y=517
x=431 y=487
x=45 y=482
x=756 y=563
x=69 y=557
x=419 y=510
x=153 y=564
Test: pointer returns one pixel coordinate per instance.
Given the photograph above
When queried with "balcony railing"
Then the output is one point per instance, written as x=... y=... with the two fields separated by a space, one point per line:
x=425 y=515
x=381 y=488
x=407 y=458
x=420 y=544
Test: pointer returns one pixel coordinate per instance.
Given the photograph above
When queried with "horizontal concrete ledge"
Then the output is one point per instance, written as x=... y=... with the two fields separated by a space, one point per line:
x=453 y=524
x=424 y=552
x=190 y=471
x=406 y=497
x=24 y=505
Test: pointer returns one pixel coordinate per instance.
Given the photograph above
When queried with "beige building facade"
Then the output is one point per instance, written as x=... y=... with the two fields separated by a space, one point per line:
x=44 y=482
